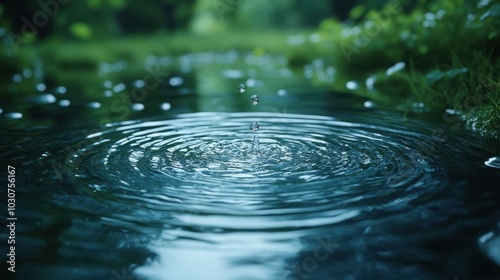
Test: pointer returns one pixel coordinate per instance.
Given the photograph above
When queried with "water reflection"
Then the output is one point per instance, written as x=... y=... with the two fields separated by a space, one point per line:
x=176 y=186
x=368 y=192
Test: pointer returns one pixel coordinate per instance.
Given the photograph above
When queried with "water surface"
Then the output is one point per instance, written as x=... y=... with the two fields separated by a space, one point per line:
x=176 y=188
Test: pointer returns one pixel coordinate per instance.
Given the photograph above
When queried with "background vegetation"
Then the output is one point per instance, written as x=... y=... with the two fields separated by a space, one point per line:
x=421 y=56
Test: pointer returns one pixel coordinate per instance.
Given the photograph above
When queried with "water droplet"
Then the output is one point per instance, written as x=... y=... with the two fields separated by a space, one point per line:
x=395 y=68
x=27 y=73
x=42 y=99
x=453 y=112
x=64 y=103
x=94 y=105
x=176 y=81
x=242 y=88
x=17 y=78
x=251 y=82
x=254 y=126
x=281 y=92
x=119 y=87
x=41 y=87
x=254 y=99
x=369 y=104
x=233 y=73
x=13 y=115
x=352 y=85
x=137 y=107
x=48 y=98
x=493 y=162
x=370 y=82
x=139 y=83
x=166 y=106
x=61 y=90
x=255 y=145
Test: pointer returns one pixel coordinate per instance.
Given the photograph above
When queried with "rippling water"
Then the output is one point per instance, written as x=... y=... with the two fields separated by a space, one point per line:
x=192 y=197
x=327 y=192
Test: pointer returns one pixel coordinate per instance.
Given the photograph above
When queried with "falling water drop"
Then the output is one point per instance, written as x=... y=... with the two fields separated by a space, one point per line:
x=242 y=88
x=254 y=126
x=254 y=99
x=256 y=145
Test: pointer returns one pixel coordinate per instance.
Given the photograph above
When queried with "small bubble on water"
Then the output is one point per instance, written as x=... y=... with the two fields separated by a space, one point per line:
x=251 y=82
x=137 y=107
x=119 y=87
x=281 y=92
x=139 y=83
x=17 y=78
x=13 y=116
x=254 y=99
x=94 y=105
x=254 y=126
x=27 y=73
x=352 y=85
x=242 y=88
x=61 y=90
x=166 y=106
x=46 y=99
x=64 y=103
x=176 y=81
x=41 y=87
x=369 y=104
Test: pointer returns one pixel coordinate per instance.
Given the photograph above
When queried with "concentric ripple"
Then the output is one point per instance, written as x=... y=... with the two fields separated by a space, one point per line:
x=204 y=164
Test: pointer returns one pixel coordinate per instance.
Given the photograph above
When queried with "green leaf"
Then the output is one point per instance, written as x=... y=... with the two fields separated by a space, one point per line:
x=81 y=30
x=357 y=12
x=434 y=76
x=94 y=3
x=457 y=71
x=116 y=3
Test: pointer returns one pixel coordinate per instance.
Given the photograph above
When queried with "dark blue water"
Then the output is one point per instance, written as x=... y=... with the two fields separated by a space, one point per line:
x=173 y=186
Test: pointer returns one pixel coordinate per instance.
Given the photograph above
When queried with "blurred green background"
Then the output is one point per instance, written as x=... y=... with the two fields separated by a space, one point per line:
x=421 y=56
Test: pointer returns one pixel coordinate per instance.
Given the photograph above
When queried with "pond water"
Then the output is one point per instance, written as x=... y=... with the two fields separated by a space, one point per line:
x=161 y=177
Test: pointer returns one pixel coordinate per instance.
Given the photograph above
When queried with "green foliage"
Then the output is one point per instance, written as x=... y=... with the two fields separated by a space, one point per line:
x=215 y=16
x=446 y=44
x=81 y=30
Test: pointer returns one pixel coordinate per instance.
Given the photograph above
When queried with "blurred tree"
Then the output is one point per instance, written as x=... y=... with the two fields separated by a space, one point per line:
x=19 y=16
x=96 y=18
x=153 y=15
x=222 y=15
x=341 y=8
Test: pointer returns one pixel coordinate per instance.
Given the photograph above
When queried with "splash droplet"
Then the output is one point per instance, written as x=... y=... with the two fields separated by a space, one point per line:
x=176 y=81
x=254 y=99
x=242 y=88
x=17 y=78
x=64 y=103
x=256 y=145
x=493 y=162
x=254 y=126
x=166 y=106
x=41 y=87
x=137 y=107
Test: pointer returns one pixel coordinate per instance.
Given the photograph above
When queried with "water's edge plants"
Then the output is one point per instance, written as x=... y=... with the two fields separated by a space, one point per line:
x=435 y=56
